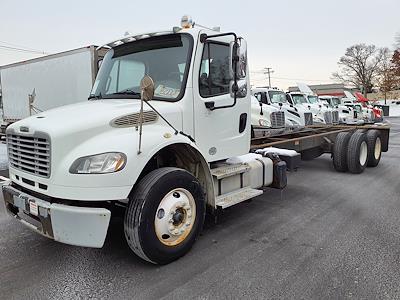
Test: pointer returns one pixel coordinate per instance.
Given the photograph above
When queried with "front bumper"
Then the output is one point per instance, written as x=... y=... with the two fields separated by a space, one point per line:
x=79 y=226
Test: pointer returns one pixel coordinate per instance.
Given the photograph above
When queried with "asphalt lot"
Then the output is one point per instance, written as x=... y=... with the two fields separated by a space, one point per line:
x=328 y=235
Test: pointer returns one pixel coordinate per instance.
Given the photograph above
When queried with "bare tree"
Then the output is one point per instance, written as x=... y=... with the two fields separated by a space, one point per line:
x=360 y=66
x=388 y=78
x=397 y=41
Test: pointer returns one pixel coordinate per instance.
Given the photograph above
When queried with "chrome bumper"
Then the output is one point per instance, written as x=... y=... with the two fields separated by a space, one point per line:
x=79 y=226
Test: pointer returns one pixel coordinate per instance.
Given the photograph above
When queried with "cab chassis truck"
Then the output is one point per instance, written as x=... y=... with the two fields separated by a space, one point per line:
x=165 y=160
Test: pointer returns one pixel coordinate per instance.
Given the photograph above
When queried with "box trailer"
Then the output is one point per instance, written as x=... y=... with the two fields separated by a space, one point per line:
x=39 y=84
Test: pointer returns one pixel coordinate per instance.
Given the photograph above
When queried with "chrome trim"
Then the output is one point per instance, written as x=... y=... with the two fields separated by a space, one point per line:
x=30 y=153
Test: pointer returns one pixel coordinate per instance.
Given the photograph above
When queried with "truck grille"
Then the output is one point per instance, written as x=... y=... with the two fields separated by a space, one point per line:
x=278 y=119
x=328 y=117
x=30 y=154
x=335 y=117
x=308 y=118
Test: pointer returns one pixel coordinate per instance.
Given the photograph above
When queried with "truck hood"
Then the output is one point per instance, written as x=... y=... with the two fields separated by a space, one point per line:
x=86 y=116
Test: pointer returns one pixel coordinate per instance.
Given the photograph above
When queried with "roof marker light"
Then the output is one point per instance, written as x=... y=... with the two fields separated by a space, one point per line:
x=187 y=22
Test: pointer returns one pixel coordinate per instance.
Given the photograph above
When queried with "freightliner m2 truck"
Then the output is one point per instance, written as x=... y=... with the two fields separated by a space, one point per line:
x=167 y=135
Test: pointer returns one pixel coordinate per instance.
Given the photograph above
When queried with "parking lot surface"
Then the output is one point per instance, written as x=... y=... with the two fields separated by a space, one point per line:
x=327 y=235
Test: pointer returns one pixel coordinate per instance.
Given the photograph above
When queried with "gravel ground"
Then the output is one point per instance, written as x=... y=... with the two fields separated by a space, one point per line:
x=327 y=235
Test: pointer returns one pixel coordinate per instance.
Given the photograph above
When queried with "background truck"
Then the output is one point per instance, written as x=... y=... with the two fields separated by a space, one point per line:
x=297 y=116
x=47 y=82
x=167 y=161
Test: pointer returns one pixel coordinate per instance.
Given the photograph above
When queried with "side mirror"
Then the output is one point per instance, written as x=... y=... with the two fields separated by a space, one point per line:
x=147 y=88
x=240 y=88
x=238 y=68
x=238 y=59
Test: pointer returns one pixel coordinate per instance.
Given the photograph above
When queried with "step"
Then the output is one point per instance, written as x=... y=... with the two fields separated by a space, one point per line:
x=237 y=196
x=229 y=170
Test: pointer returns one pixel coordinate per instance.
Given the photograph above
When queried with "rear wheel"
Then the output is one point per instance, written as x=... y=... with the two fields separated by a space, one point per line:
x=357 y=153
x=340 y=151
x=374 y=148
x=165 y=215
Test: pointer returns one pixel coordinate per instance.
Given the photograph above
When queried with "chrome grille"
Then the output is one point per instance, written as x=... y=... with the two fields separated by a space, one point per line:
x=30 y=154
x=308 y=118
x=278 y=119
x=335 y=117
x=328 y=117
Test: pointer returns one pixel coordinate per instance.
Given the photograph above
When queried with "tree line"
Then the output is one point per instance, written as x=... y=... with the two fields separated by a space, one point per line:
x=367 y=67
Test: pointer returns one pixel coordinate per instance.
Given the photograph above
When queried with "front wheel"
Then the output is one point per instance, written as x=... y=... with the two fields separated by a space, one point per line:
x=165 y=214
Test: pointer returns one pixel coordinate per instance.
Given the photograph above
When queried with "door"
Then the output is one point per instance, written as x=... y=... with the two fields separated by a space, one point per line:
x=219 y=133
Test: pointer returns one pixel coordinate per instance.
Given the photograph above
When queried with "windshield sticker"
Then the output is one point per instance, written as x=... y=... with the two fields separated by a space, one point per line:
x=165 y=91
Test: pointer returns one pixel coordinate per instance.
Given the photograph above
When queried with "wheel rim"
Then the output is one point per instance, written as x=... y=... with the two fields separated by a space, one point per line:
x=175 y=217
x=363 y=153
x=378 y=148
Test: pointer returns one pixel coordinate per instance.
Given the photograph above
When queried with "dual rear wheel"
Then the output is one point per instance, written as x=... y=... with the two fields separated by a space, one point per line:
x=353 y=152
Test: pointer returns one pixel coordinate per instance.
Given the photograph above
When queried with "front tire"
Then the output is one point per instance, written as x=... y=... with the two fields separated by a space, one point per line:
x=165 y=214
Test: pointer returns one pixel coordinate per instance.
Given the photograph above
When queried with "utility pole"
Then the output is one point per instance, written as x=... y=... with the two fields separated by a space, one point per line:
x=268 y=71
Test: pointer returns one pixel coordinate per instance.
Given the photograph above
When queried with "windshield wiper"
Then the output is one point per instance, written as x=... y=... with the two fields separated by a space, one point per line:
x=127 y=92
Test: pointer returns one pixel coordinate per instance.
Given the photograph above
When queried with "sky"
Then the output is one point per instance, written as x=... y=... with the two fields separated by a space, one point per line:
x=300 y=40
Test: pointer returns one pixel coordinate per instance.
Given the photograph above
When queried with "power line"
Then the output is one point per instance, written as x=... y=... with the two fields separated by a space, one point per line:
x=287 y=78
x=19 y=48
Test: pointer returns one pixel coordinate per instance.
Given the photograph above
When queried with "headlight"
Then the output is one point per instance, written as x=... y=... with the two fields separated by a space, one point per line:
x=99 y=163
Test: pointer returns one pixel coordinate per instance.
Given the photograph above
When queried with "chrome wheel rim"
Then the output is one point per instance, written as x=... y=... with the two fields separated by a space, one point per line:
x=175 y=217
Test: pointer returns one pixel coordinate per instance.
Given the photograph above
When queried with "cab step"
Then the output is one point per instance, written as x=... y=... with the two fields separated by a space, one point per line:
x=229 y=170
x=237 y=196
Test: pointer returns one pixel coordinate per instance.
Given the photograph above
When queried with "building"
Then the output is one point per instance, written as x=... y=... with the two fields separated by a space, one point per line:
x=331 y=89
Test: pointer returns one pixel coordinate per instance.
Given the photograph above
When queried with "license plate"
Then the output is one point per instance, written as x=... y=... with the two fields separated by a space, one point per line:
x=33 y=208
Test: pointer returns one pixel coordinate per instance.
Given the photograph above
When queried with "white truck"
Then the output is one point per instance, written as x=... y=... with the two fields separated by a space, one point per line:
x=346 y=114
x=165 y=160
x=270 y=97
x=39 y=84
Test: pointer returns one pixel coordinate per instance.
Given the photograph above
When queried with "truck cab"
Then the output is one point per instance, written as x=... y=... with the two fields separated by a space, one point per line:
x=277 y=99
x=346 y=114
x=302 y=101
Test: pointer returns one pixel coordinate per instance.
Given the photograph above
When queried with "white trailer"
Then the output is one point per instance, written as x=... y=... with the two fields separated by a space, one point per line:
x=39 y=84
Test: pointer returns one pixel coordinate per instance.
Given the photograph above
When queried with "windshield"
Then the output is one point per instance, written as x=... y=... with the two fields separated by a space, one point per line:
x=277 y=96
x=299 y=99
x=165 y=58
x=313 y=99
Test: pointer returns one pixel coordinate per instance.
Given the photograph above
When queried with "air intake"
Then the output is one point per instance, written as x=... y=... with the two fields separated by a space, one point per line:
x=132 y=120
x=278 y=119
x=335 y=117
x=308 y=119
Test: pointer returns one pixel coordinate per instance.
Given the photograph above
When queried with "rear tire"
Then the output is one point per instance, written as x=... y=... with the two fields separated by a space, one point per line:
x=340 y=151
x=357 y=153
x=165 y=214
x=374 y=147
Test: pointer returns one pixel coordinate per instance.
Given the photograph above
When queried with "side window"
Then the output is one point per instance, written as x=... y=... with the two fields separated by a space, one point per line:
x=214 y=71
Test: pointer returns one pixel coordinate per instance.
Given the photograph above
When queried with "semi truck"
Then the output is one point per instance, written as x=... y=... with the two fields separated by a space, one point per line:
x=166 y=135
x=39 y=84
x=272 y=97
